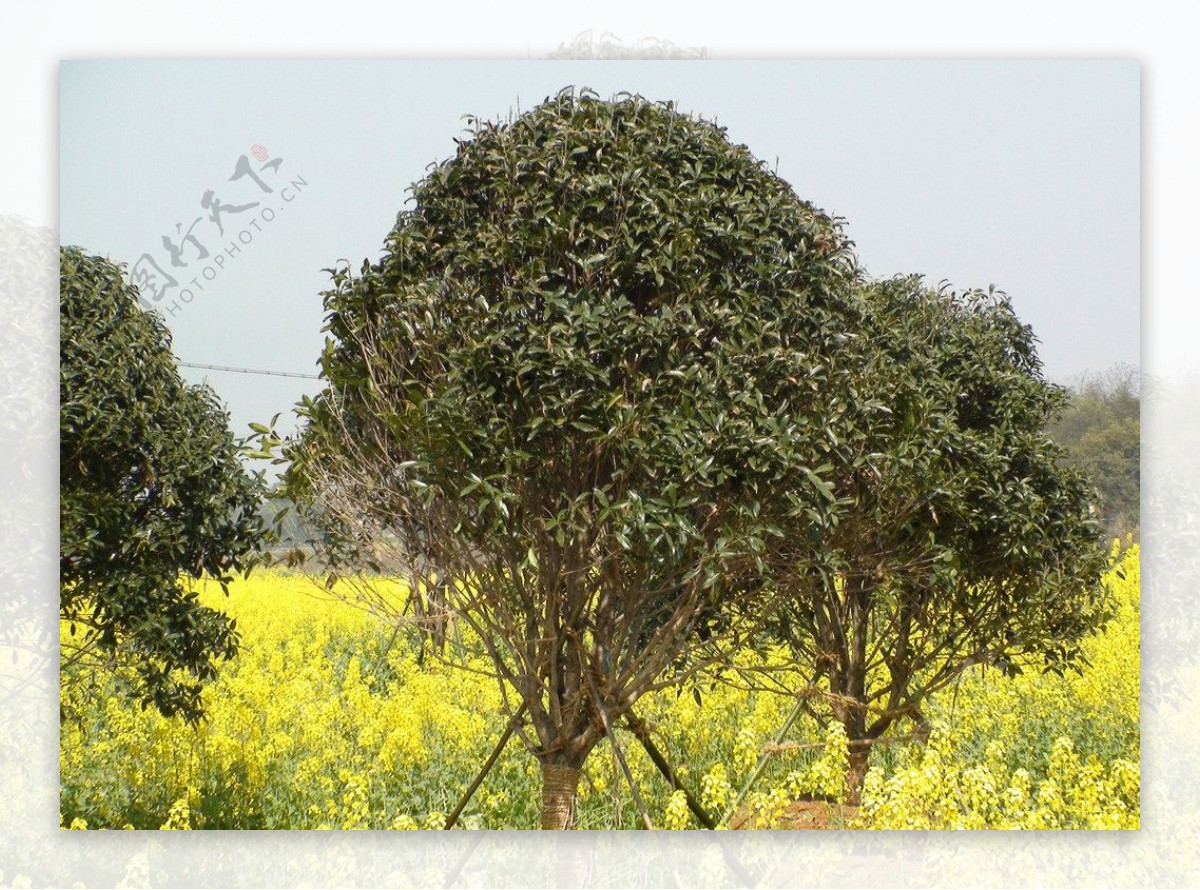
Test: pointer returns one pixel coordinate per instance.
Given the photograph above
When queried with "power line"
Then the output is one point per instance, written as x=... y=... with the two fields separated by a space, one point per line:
x=248 y=371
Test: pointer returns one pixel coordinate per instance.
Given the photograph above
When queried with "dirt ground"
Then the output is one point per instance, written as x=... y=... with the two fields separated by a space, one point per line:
x=803 y=815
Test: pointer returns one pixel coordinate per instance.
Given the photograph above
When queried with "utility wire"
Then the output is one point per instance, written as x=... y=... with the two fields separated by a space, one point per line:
x=248 y=371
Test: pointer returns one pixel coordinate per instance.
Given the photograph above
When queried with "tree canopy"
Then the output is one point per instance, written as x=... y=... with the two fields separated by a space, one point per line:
x=151 y=489
x=593 y=377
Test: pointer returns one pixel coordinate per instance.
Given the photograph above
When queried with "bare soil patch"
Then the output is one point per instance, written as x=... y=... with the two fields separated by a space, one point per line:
x=803 y=815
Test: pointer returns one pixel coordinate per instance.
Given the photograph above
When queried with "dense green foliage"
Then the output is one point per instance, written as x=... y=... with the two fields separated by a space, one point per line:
x=151 y=487
x=1101 y=431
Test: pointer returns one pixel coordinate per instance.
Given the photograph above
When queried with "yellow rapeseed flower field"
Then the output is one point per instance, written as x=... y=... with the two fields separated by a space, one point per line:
x=328 y=719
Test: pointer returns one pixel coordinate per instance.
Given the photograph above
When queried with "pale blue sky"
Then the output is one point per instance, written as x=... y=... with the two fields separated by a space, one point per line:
x=1020 y=174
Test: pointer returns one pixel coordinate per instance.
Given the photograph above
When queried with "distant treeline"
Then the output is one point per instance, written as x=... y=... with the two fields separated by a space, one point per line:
x=1101 y=431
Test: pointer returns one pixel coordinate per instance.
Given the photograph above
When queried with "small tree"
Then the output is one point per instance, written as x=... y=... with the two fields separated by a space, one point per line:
x=593 y=353
x=151 y=489
x=965 y=540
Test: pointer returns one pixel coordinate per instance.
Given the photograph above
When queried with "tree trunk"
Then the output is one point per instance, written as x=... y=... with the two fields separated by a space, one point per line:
x=855 y=688
x=856 y=772
x=560 y=787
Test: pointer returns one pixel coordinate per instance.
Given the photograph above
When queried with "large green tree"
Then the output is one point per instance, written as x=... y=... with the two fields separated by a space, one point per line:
x=152 y=489
x=964 y=539
x=594 y=355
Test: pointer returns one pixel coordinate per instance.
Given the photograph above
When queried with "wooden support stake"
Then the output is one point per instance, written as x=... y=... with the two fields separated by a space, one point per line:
x=642 y=734
x=616 y=746
x=487 y=767
x=762 y=761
